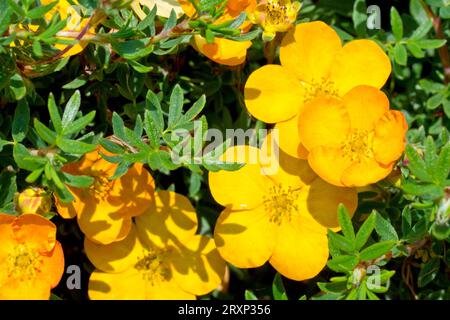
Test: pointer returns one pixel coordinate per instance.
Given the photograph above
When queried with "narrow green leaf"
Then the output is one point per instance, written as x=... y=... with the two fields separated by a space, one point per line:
x=343 y=263
x=54 y=113
x=77 y=181
x=376 y=250
x=385 y=229
x=74 y=146
x=278 y=290
x=176 y=106
x=346 y=223
x=21 y=121
x=365 y=231
x=396 y=24
x=340 y=242
x=400 y=54
x=79 y=124
x=44 y=132
x=72 y=107
x=249 y=295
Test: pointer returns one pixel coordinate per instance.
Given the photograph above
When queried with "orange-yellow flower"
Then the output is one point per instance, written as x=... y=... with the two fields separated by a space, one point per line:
x=161 y=258
x=281 y=218
x=275 y=16
x=353 y=141
x=224 y=51
x=34 y=200
x=31 y=260
x=105 y=209
x=313 y=64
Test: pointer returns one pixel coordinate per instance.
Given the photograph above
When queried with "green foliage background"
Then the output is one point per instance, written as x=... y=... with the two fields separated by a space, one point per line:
x=144 y=75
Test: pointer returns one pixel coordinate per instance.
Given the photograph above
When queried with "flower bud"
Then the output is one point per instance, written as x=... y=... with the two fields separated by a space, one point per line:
x=34 y=200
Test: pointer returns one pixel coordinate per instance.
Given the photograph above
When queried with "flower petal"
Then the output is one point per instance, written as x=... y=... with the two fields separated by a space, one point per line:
x=223 y=51
x=300 y=252
x=117 y=256
x=360 y=62
x=36 y=231
x=170 y=218
x=365 y=172
x=323 y=122
x=243 y=188
x=309 y=50
x=322 y=200
x=273 y=94
x=52 y=268
x=197 y=266
x=245 y=238
x=329 y=163
x=365 y=106
x=127 y=285
x=289 y=139
x=389 y=138
x=34 y=289
x=6 y=235
x=281 y=167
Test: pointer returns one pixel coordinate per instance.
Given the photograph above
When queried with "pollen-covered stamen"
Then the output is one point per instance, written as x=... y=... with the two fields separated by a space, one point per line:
x=280 y=203
x=151 y=265
x=101 y=186
x=324 y=87
x=23 y=262
x=358 y=145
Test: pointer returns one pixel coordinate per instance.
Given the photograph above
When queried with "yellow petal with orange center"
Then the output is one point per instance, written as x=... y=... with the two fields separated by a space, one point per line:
x=245 y=239
x=324 y=121
x=365 y=106
x=360 y=62
x=171 y=217
x=243 y=188
x=273 y=94
x=197 y=266
x=309 y=50
x=389 y=138
x=223 y=51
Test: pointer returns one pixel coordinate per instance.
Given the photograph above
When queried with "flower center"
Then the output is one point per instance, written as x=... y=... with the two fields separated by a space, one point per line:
x=101 y=186
x=151 y=265
x=23 y=262
x=315 y=89
x=358 y=145
x=280 y=203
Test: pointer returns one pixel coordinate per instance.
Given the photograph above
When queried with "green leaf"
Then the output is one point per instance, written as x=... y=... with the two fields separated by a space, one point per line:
x=40 y=11
x=133 y=49
x=75 y=83
x=365 y=231
x=176 y=106
x=17 y=86
x=346 y=223
x=333 y=287
x=74 y=146
x=340 y=242
x=396 y=24
x=21 y=121
x=343 y=263
x=71 y=110
x=44 y=132
x=376 y=250
x=77 y=181
x=25 y=160
x=249 y=295
x=416 y=51
x=416 y=164
x=359 y=17
x=422 y=30
x=431 y=44
x=385 y=229
x=195 y=110
x=54 y=113
x=8 y=188
x=278 y=291
x=79 y=124
x=16 y=8
x=442 y=167
x=153 y=105
x=428 y=272
x=152 y=129
x=400 y=54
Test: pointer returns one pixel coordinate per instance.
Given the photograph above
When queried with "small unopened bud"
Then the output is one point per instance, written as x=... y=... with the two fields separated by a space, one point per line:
x=34 y=200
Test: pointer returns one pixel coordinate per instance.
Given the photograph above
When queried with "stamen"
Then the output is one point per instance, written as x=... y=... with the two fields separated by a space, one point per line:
x=280 y=203
x=151 y=265
x=358 y=145
x=315 y=89
x=23 y=262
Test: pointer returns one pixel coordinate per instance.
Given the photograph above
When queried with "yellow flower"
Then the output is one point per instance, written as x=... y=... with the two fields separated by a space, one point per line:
x=313 y=64
x=281 y=218
x=34 y=200
x=353 y=141
x=163 y=7
x=31 y=260
x=105 y=210
x=275 y=16
x=224 y=51
x=161 y=258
